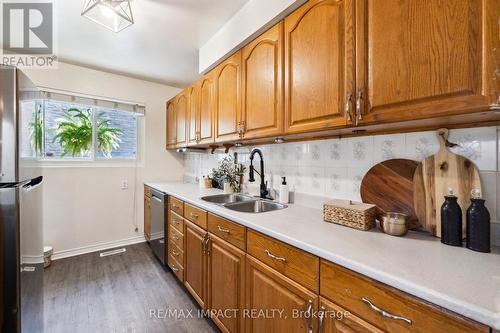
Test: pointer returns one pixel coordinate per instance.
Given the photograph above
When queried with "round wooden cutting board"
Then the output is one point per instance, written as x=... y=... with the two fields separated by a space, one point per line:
x=389 y=185
x=432 y=179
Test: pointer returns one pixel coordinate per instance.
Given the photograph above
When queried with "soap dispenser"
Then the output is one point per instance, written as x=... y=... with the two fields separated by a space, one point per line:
x=284 y=191
x=478 y=224
x=451 y=220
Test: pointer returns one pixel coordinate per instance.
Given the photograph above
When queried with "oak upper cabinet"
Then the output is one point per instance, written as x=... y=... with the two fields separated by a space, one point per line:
x=228 y=99
x=267 y=289
x=195 y=262
x=226 y=283
x=262 y=85
x=181 y=112
x=319 y=66
x=334 y=319
x=193 y=115
x=206 y=105
x=171 y=124
x=422 y=59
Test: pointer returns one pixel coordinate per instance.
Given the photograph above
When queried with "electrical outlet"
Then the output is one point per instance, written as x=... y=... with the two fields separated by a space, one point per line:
x=124 y=185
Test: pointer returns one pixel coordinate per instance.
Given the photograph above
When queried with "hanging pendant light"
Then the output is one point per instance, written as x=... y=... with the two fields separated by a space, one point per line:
x=115 y=15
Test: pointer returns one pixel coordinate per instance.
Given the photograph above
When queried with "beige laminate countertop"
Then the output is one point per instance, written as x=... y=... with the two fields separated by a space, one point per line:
x=458 y=279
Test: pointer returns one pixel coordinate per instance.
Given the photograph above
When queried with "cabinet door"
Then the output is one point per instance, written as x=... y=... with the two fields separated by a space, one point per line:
x=193 y=114
x=181 y=111
x=319 y=65
x=226 y=283
x=422 y=59
x=195 y=262
x=171 y=124
x=206 y=109
x=262 y=85
x=334 y=319
x=228 y=99
x=266 y=289
x=147 y=217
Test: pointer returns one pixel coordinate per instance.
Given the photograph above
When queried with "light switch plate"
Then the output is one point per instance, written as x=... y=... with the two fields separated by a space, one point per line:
x=124 y=185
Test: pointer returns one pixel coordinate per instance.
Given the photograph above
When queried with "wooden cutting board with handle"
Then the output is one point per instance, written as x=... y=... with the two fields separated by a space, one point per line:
x=389 y=185
x=433 y=178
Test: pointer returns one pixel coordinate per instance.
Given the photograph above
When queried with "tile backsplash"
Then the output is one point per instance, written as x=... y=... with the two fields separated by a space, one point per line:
x=334 y=168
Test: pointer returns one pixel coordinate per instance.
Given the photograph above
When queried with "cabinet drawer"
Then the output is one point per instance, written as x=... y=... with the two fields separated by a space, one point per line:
x=298 y=265
x=176 y=268
x=176 y=237
x=176 y=222
x=195 y=215
x=176 y=205
x=353 y=292
x=229 y=231
x=176 y=253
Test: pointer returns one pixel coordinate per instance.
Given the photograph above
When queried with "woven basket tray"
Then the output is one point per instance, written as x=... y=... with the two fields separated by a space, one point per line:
x=353 y=214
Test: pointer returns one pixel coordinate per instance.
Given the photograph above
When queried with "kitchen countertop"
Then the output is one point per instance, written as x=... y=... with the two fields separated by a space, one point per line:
x=457 y=279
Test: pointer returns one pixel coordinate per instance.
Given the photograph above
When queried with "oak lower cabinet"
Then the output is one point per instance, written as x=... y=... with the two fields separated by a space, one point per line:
x=319 y=66
x=171 y=124
x=278 y=304
x=424 y=59
x=226 y=284
x=334 y=319
x=195 y=262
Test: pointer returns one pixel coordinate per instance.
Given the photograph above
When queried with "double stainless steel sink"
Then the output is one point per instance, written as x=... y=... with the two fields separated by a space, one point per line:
x=244 y=203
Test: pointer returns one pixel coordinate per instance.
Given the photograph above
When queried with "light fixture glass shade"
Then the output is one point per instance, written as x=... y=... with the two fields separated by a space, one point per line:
x=115 y=15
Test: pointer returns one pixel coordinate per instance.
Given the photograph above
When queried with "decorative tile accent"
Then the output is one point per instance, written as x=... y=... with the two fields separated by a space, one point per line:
x=336 y=183
x=421 y=145
x=387 y=147
x=360 y=151
x=335 y=152
x=478 y=145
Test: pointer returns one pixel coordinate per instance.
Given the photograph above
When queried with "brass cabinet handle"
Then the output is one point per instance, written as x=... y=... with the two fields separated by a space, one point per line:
x=309 y=316
x=359 y=116
x=174 y=206
x=269 y=254
x=175 y=269
x=383 y=313
x=175 y=237
x=175 y=253
x=177 y=222
x=206 y=239
x=221 y=229
x=347 y=109
x=321 y=319
x=193 y=215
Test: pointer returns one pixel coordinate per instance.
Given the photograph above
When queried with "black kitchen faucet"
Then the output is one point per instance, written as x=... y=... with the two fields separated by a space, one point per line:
x=263 y=185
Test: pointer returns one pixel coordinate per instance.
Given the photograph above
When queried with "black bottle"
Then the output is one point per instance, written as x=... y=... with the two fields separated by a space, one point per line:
x=451 y=221
x=478 y=224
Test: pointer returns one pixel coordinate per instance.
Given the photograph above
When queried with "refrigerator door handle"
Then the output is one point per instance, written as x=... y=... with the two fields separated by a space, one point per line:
x=27 y=184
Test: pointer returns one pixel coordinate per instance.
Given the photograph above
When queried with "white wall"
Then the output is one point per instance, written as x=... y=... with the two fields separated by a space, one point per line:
x=252 y=19
x=84 y=206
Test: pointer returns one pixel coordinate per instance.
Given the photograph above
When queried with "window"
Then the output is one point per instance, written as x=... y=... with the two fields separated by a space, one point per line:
x=58 y=130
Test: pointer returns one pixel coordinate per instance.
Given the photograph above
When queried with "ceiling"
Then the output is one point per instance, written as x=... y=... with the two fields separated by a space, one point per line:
x=161 y=46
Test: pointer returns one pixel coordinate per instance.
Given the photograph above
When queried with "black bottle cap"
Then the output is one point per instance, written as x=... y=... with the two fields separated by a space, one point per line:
x=284 y=181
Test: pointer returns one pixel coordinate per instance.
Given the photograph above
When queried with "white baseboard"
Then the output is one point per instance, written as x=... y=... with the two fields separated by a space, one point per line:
x=97 y=247
x=32 y=260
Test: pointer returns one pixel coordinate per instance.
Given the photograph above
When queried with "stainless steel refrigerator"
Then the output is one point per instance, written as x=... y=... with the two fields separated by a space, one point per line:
x=21 y=235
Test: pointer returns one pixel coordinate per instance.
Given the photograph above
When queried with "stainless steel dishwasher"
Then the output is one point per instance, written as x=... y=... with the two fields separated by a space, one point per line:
x=158 y=225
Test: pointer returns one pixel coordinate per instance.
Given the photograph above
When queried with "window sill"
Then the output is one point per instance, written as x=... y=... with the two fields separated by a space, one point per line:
x=80 y=164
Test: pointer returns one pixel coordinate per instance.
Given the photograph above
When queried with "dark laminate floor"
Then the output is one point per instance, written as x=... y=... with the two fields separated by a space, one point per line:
x=115 y=294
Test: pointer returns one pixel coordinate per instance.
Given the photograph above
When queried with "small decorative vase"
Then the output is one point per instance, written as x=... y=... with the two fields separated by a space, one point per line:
x=228 y=188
